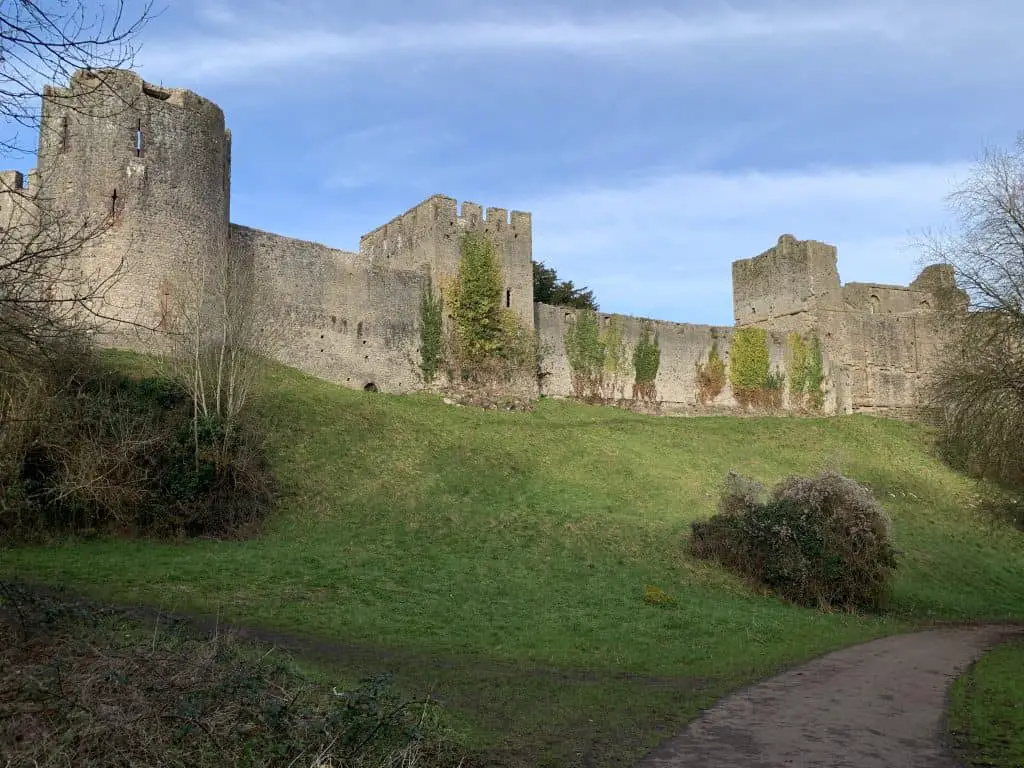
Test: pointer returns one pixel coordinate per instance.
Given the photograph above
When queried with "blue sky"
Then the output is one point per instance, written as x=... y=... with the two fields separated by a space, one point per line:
x=654 y=142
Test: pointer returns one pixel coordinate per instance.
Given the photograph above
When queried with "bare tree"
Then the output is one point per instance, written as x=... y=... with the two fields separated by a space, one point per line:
x=46 y=299
x=977 y=389
x=47 y=42
x=221 y=333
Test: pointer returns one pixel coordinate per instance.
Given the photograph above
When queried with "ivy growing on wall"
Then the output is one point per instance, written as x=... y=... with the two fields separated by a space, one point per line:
x=806 y=375
x=815 y=375
x=485 y=343
x=598 y=359
x=771 y=396
x=475 y=301
x=754 y=383
x=749 y=365
x=616 y=359
x=646 y=361
x=431 y=320
x=600 y=363
x=796 y=363
x=710 y=376
x=585 y=352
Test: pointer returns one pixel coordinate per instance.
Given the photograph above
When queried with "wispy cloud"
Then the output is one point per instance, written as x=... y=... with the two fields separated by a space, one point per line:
x=281 y=44
x=218 y=14
x=676 y=236
x=653 y=147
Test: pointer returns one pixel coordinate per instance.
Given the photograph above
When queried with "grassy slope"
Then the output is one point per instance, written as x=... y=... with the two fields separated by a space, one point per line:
x=514 y=548
x=986 y=715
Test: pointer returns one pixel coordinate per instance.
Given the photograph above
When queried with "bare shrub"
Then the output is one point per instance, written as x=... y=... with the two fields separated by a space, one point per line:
x=822 y=541
x=740 y=494
x=114 y=453
x=32 y=392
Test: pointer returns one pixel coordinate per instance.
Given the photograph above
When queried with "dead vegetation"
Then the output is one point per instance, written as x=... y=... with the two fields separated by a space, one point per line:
x=88 y=686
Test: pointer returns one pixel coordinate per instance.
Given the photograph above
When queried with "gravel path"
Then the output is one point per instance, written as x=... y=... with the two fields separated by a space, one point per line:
x=875 y=705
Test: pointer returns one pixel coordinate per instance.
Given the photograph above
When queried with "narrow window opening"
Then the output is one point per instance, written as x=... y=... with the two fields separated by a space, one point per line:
x=138 y=139
x=65 y=134
x=113 y=203
x=508 y=297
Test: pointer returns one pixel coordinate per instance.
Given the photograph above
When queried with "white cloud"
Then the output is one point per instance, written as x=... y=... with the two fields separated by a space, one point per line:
x=217 y=14
x=677 y=235
x=253 y=37
x=226 y=57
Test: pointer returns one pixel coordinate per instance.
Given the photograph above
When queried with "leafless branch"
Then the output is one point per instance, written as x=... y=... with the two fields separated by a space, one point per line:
x=977 y=391
x=47 y=42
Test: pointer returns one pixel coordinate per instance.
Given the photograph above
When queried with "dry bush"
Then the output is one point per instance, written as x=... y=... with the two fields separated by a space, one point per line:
x=89 y=687
x=822 y=541
x=976 y=398
x=114 y=453
x=32 y=391
x=739 y=495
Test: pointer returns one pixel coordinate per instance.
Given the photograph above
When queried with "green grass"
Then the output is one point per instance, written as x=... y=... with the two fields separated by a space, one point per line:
x=500 y=559
x=986 y=713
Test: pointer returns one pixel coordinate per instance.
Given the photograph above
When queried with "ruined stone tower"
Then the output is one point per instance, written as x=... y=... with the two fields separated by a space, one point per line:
x=880 y=340
x=784 y=285
x=154 y=164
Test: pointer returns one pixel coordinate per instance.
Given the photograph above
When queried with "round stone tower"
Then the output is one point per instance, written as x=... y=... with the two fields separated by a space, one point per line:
x=145 y=171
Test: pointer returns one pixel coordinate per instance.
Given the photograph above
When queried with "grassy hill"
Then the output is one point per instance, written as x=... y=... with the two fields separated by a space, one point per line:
x=500 y=559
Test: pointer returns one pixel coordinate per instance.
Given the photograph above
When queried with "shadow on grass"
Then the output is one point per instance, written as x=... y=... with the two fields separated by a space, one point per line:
x=545 y=716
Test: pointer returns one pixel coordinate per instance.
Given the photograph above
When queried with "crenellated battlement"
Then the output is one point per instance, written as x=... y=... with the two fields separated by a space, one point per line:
x=444 y=210
x=426 y=237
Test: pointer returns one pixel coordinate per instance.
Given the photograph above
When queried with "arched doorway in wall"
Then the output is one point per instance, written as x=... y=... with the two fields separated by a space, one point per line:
x=874 y=304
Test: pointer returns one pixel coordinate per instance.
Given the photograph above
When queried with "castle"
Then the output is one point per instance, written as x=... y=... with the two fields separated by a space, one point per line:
x=156 y=164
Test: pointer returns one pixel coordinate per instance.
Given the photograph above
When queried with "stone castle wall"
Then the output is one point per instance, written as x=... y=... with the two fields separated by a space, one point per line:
x=783 y=286
x=884 y=338
x=152 y=165
x=336 y=315
x=683 y=347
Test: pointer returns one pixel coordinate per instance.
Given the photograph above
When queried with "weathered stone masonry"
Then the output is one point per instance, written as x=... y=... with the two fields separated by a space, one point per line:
x=157 y=162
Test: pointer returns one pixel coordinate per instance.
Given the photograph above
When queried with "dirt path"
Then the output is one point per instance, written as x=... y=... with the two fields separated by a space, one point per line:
x=875 y=705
